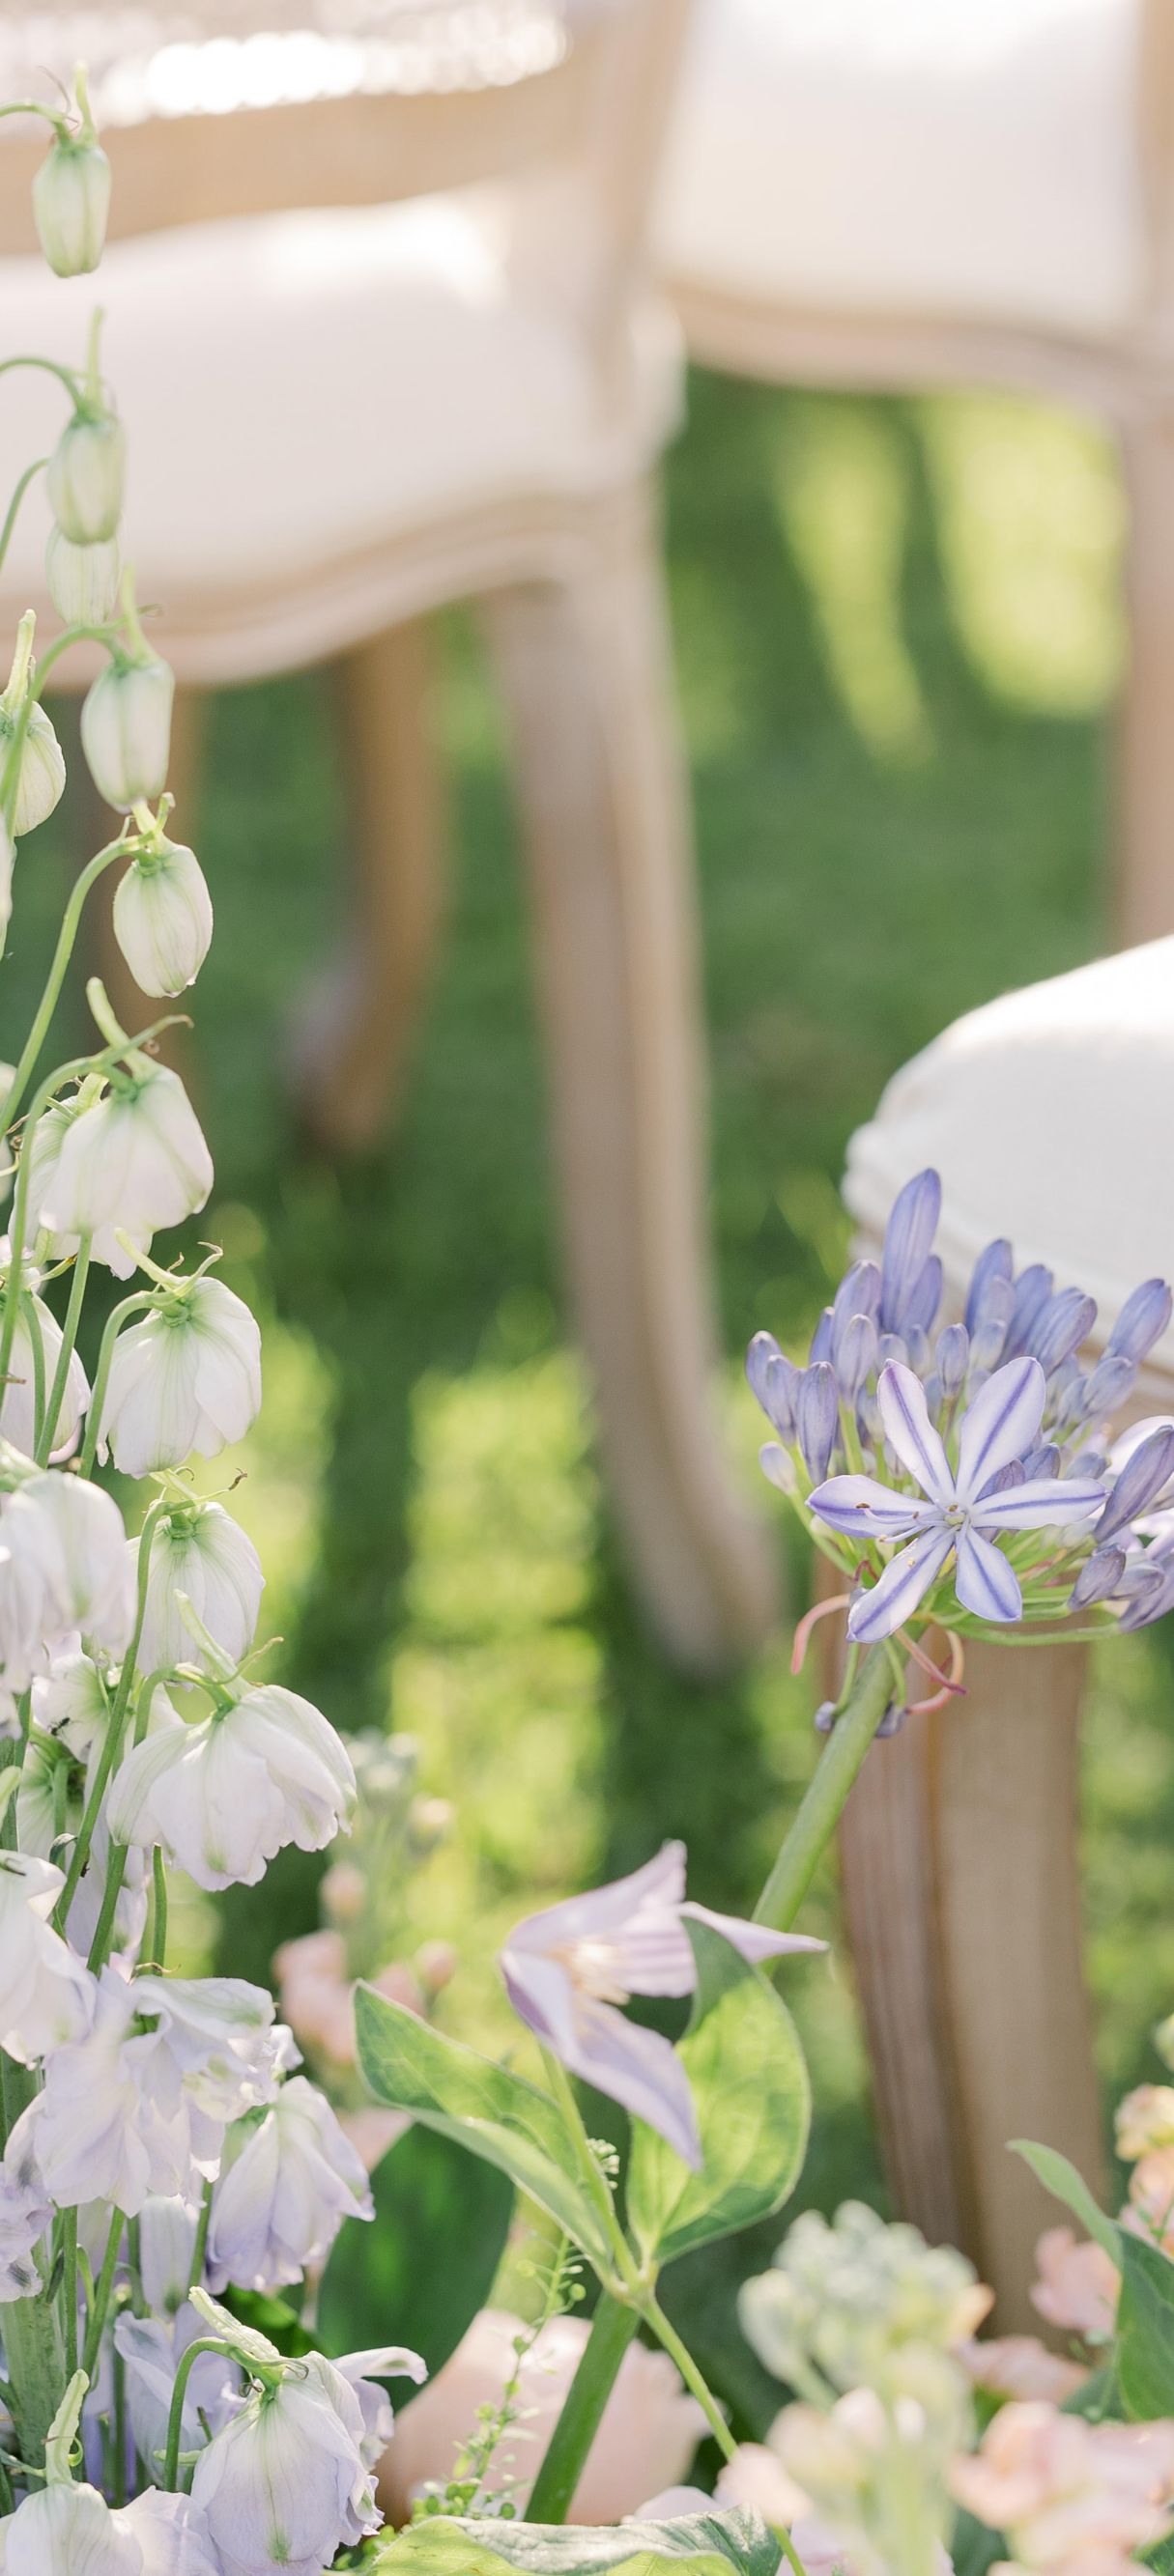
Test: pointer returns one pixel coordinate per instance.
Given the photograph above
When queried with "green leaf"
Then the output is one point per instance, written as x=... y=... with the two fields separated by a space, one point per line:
x=426 y=2264
x=1064 y=2183
x=753 y=2100
x=485 y=2108
x=1145 y=2330
x=1161 y=2558
x=702 y=2544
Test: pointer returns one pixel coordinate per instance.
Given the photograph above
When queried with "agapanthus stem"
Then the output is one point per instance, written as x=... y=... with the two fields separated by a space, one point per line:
x=826 y=1798
x=612 y=2329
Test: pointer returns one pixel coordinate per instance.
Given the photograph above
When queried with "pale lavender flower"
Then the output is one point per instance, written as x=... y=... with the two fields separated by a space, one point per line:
x=960 y=1505
x=569 y=1969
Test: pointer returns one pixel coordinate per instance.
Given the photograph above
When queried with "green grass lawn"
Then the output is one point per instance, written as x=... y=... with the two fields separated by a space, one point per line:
x=897 y=636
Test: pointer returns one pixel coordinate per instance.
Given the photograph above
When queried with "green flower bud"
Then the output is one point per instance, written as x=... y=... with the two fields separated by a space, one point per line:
x=41 y=774
x=163 y=917
x=85 y=477
x=83 y=580
x=126 y=730
x=71 y=202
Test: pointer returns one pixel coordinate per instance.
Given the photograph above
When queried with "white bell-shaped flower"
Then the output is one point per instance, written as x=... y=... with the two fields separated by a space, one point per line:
x=71 y=203
x=132 y=1162
x=18 y=1408
x=284 y=2486
x=70 y=2530
x=80 y=1542
x=25 y=2213
x=70 y=1702
x=163 y=916
x=151 y=2353
x=230 y=2051
x=221 y=1797
x=86 y=475
x=82 y=580
x=126 y=730
x=200 y=1553
x=283 y=2192
x=187 y=1376
x=46 y=1994
x=40 y=769
x=167 y=2244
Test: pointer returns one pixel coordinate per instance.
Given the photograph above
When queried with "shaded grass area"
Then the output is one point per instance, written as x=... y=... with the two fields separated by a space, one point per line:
x=896 y=630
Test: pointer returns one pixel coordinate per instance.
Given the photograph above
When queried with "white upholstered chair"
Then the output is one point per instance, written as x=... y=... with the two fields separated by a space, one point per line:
x=344 y=411
x=1049 y=1115
x=899 y=193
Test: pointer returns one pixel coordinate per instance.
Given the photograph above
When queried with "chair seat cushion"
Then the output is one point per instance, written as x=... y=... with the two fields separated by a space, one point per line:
x=299 y=389
x=1049 y=1115
x=972 y=158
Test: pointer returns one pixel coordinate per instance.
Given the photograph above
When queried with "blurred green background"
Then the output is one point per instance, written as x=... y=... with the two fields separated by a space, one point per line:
x=898 y=634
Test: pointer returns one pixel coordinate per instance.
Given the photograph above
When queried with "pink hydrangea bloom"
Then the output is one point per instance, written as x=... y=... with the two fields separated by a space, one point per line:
x=1078 y=2285
x=1020 y=2366
x=1073 y=2499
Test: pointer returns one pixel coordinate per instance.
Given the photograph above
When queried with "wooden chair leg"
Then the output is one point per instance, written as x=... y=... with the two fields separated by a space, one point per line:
x=584 y=664
x=1144 y=893
x=959 y=1851
x=355 y=1027
x=133 y=1007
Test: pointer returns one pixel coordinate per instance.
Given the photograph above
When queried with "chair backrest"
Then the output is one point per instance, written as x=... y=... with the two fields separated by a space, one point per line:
x=1155 y=105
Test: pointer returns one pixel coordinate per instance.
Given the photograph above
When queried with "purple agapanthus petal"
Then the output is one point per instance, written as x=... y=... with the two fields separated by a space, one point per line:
x=1046 y=1499
x=905 y=1581
x=1044 y=1461
x=773 y=1378
x=778 y=1466
x=859 y=1293
x=1142 y=1478
x=1000 y=1424
x=753 y=1941
x=924 y=1298
x=854 y=1356
x=1149 y=1591
x=994 y=1268
x=1099 y=1578
x=1107 y=1386
x=1065 y=1322
x=989 y=1339
x=1032 y=1291
x=983 y=1580
x=952 y=1357
x=818 y=1415
x=911 y=1434
x=862 y=1508
x=909 y=1238
x=821 y=1339
x=1142 y=1321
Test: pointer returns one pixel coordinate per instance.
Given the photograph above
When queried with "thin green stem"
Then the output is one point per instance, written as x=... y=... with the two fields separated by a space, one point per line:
x=203 y=2343
x=73 y=1316
x=36 y=107
x=32 y=1325
x=69 y=2287
x=133 y=1305
x=68 y=376
x=156 y=1953
x=820 y=1812
x=96 y=2320
x=679 y=2352
x=30 y=472
x=110 y=1752
x=564 y=2093
x=612 y=2329
x=57 y=972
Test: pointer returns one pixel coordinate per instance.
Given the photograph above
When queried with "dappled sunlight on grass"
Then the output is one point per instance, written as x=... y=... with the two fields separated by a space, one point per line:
x=843 y=492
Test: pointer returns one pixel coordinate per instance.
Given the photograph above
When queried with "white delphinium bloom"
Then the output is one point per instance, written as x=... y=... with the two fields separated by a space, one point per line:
x=131 y=1162
x=221 y=1797
x=45 y=1993
x=82 y=580
x=167 y=2241
x=229 y=2051
x=284 y=2485
x=284 y=2189
x=71 y=200
x=185 y=1377
x=70 y=2530
x=40 y=770
x=163 y=916
x=25 y=2213
x=86 y=475
x=18 y=1412
x=68 y=1535
x=126 y=729
x=199 y=1551
x=70 y=1702
x=151 y=2353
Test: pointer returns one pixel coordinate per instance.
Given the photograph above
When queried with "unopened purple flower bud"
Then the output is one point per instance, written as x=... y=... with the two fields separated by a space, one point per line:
x=1150 y=1590
x=1014 y=1473
x=1044 y=1461
x=868 y=1418
x=990 y=1288
x=924 y=1298
x=1067 y=1387
x=917 y=1345
x=987 y=1347
x=1064 y=1323
x=952 y=1357
x=773 y=1378
x=1087 y=1468
x=1099 y=1579
x=818 y=1414
x=855 y=1355
x=1032 y=1291
x=825 y=1717
x=821 y=1339
x=1142 y=1320
x=859 y=1293
x=1107 y=1385
x=778 y=1466
x=1139 y=1483
x=893 y=1720
x=891 y=1349
x=909 y=1235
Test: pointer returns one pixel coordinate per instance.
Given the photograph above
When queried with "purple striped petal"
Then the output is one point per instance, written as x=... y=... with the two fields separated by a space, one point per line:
x=1066 y=1322
x=1142 y=1320
x=752 y=1941
x=817 y=1412
x=1032 y=1291
x=1035 y=1505
x=905 y=1581
x=983 y=1580
x=911 y=1434
x=863 y=1508
x=924 y=1298
x=1140 y=1482
x=909 y=1234
x=854 y=1357
x=994 y=1269
x=1000 y=1425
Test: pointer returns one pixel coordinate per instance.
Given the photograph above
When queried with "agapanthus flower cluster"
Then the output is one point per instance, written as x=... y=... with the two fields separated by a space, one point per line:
x=158 y=2141
x=963 y=1469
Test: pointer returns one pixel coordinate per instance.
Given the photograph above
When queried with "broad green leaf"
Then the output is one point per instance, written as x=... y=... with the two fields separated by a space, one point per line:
x=974 y=2547
x=753 y=2102
x=1064 y=2183
x=424 y=2267
x=1161 y=2558
x=481 y=2106
x=1145 y=2330
x=703 y=2544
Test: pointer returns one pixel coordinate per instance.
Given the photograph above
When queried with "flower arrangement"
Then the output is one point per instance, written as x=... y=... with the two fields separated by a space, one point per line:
x=176 y=2194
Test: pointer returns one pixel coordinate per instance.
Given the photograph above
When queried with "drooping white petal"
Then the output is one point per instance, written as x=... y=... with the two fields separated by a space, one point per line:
x=909 y=1431
x=1001 y=1425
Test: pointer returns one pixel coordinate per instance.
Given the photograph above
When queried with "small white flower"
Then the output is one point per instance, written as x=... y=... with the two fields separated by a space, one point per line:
x=25 y=2213
x=163 y=917
x=222 y=2036
x=69 y=1701
x=223 y=1796
x=126 y=730
x=200 y=1551
x=18 y=1395
x=131 y=1162
x=40 y=771
x=72 y=2531
x=45 y=1993
x=187 y=1376
x=83 y=580
x=85 y=477
x=284 y=2486
x=71 y=203
x=74 y=1534
x=284 y=2190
